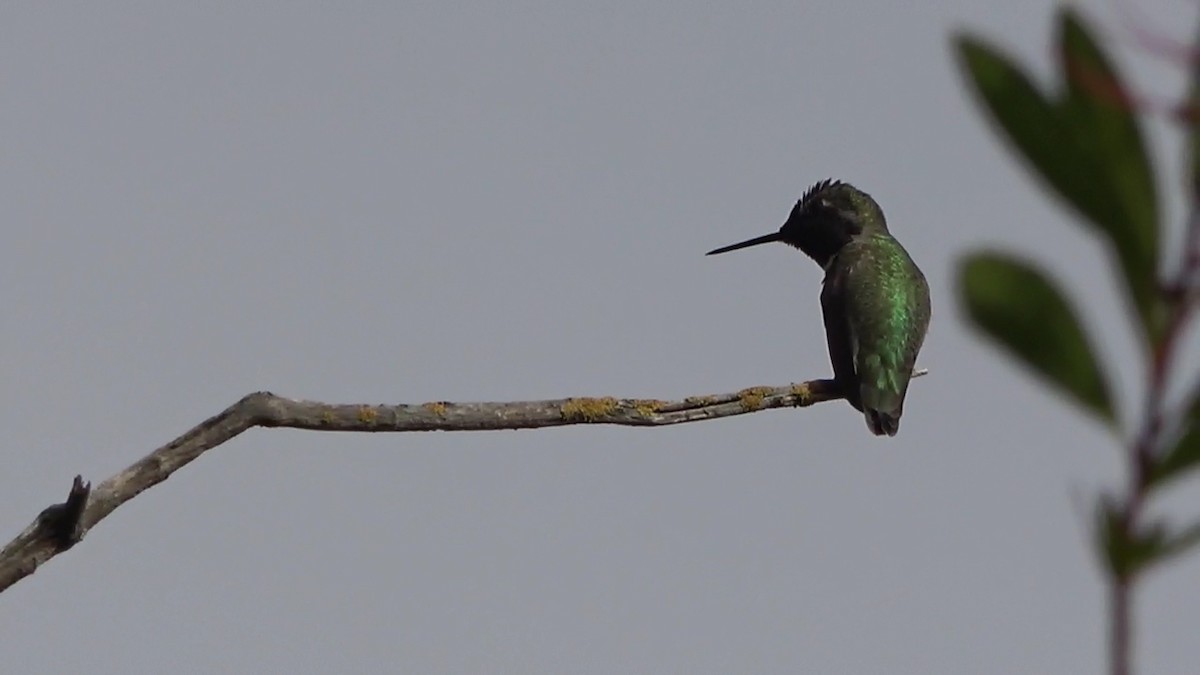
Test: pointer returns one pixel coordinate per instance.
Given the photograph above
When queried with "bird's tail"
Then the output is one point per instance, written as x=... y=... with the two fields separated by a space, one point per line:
x=880 y=422
x=882 y=408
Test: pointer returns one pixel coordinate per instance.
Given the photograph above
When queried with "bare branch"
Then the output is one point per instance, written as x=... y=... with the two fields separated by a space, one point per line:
x=60 y=526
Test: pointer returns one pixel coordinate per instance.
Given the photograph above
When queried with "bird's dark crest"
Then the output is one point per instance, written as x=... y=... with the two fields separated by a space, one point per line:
x=815 y=190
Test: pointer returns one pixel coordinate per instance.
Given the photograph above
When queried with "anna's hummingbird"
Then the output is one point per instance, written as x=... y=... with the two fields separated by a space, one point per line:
x=875 y=300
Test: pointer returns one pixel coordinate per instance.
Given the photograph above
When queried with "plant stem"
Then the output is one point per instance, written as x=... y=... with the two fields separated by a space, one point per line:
x=1121 y=639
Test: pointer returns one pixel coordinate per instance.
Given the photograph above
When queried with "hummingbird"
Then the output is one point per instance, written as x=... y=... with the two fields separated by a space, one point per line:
x=874 y=298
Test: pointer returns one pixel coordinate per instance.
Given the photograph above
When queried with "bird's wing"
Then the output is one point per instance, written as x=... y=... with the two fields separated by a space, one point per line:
x=837 y=334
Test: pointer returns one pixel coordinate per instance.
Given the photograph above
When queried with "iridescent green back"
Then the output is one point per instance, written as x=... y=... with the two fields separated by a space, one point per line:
x=886 y=303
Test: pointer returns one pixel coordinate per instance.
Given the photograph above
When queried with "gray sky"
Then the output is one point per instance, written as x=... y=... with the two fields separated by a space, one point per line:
x=433 y=201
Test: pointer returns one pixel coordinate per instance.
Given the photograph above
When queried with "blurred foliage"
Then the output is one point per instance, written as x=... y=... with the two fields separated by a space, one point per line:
x=1086 y=145
x=1084 y=142
x=1024 y=310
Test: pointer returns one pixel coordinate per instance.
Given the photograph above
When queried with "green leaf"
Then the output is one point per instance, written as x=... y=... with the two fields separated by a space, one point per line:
x=1184 y=456
x=1022 y=309
x=1099 y=111
x=1125 y=553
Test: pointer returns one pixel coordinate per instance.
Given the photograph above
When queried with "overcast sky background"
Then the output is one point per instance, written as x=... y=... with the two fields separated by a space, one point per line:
x=402 y=202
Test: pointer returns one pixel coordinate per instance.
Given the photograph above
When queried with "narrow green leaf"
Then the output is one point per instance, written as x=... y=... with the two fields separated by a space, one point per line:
x=1100 y=113
x=1155 y=543
x=1124 y=553
x=1129 y=553
x=1179 y=459
x=1022 y=309
x=1183 y=456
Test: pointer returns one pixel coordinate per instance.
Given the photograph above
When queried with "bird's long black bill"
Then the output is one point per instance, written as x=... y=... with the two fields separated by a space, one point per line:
x=765 y=239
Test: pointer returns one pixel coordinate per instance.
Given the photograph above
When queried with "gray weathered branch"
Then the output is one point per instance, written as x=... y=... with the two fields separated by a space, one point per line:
x=60 y=526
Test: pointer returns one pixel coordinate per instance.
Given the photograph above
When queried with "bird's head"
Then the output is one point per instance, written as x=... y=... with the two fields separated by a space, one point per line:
x=826 y=218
